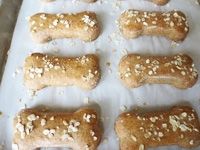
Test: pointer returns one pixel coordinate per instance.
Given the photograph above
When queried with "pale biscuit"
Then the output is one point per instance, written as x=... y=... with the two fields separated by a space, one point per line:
x=173 y=24
x=177 y=126
x=177 y=70
x=46 y=27
x=42 y=70
x=35 y=128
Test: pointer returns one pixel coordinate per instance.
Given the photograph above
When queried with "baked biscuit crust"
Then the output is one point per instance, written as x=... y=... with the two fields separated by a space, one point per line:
x=36 y=129
x=42 y=70
x=177 y=70
x=176 y=126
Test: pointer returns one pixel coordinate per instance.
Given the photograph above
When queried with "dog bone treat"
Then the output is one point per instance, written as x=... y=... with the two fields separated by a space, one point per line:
x=34 y=128
x=177 y=126
x=46 y=27
x=173 y=25
x=160 y=2
x=177 y=70
x=42 y=70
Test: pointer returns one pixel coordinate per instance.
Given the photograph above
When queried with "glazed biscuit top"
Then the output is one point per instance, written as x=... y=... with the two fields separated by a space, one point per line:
x=38 y=64
x=69 y=21
x=139 y=19
x=160 y=127
x=138 y=65
x=33 y=125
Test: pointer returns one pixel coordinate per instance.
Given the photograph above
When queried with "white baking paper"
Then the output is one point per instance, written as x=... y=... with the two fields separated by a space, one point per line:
x=110 y=98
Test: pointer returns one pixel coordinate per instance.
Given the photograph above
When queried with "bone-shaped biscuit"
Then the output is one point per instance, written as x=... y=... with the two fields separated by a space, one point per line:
x=173 y=24
x=45 y=27
x=42 y=70
x=177 y=126
x=177 y=70
x=35 y=128
x=159 y=2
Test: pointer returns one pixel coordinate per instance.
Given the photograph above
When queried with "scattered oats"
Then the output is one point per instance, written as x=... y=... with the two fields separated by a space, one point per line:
x=46 y=132
x=184 y=114
x=153 y=119
x=184 y=128
x=154 y=22
x=147 y=61
x=145 y=23
x=160 y=134
x=123 y=108
x=31 y=117
x=86 y=19
x=43 y=122
x=196 y=130
x=172 y=70
x=87 y=117
x=171 y=24
x=192 y=142
x=174 y=123
x=92 y=133
x=183 y=73
x=20 y=127
x=55 y=22
x=94 y=138
x=182 y=136
x=150 y=72
x=141 y=147
x=73 y=126
x=52 y=118
x=43 y=16
x=49 y=132
x=133 y=138
x=65 y=123
x=164 y=125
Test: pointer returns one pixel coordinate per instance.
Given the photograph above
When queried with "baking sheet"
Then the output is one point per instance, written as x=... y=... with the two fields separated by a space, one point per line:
x=110 y=98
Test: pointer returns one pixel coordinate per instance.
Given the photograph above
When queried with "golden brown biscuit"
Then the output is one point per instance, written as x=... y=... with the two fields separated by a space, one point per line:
x=173 y=24
x=42 y=70
x=177 y=126
x=46 y=27
x=35 y=129
x=177 y=70
x=159 y=2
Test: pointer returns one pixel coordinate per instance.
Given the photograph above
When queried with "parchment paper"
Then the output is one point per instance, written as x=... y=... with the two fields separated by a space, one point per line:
x=110 y=97
x=8 y=16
